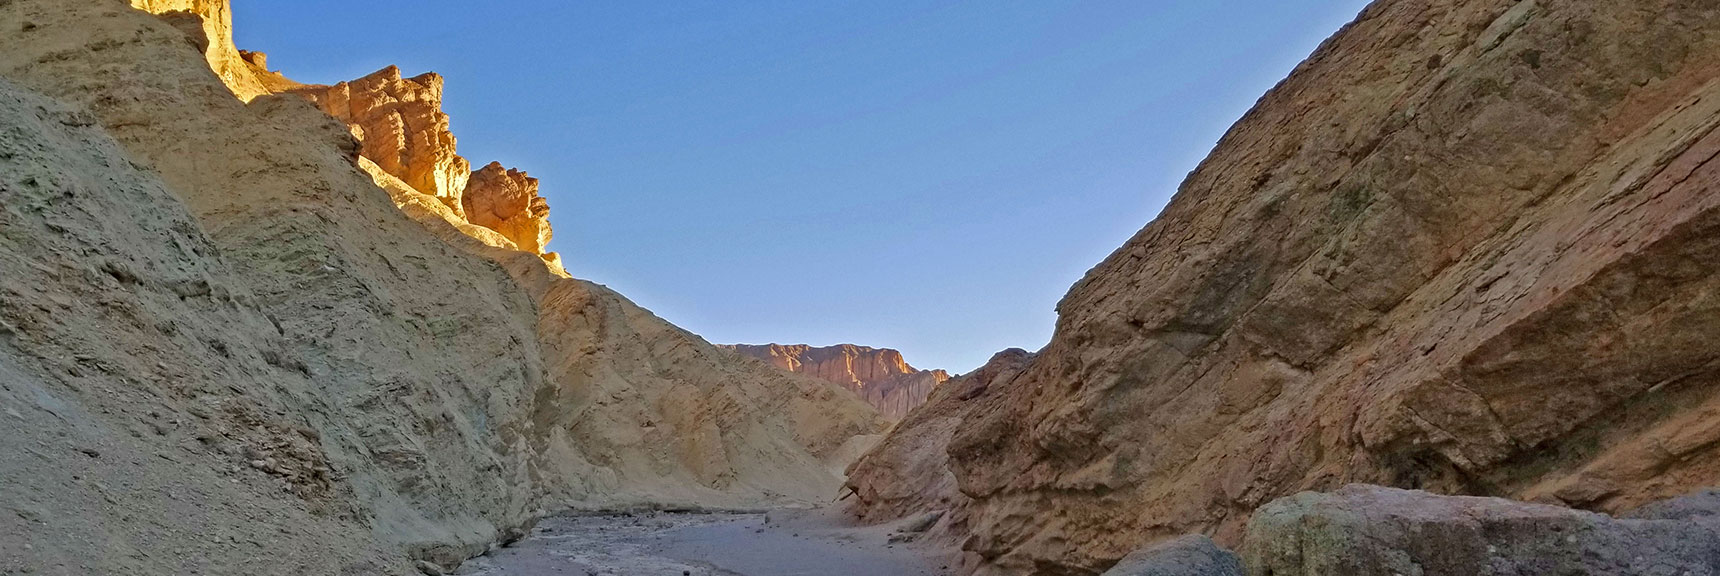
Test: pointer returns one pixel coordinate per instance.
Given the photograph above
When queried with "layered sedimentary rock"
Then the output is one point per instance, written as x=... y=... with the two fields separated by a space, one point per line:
x=219 y=336
x=208 y=24
x=406 y=138
x=507 y=201
x=879 y=375
x=908 y=472
x=402 y=127
x=1467 y=246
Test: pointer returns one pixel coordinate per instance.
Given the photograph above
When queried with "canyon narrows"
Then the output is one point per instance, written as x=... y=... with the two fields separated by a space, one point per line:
x=1444 y=302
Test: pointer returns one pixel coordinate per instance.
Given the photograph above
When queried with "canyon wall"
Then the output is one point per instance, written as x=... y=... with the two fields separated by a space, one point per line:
x=908 y=471
x=1467 y=246
x=880 y=376
x=232 y=343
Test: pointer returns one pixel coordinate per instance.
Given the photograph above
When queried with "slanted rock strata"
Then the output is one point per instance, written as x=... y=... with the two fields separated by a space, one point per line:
x=880 y=376
x=1468 y=246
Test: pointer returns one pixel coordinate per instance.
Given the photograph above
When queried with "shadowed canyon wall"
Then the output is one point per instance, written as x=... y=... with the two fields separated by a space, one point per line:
x=231 y=343
x=880 y=376
x=1467 y=246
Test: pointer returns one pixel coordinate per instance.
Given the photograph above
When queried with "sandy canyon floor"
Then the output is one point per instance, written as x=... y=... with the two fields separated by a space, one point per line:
x=778 y=543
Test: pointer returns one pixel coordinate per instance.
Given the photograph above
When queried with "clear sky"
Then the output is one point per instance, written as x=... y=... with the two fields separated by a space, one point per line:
x=924 y=175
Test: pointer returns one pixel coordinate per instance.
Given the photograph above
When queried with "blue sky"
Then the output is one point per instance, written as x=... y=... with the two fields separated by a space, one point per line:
x=924 y=175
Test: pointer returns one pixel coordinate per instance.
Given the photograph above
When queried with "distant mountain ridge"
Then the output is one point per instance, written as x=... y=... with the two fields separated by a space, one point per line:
x=879 y=375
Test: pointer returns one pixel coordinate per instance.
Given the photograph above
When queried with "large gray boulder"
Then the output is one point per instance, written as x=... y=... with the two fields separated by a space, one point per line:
x=1185 y=556
x=1369 y=530
x=1693 y=506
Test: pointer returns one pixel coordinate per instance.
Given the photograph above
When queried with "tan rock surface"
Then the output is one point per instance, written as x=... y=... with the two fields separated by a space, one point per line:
x=908 y=472
x=209 y=24
x=140 y=377
x=244 y=356
x=1468 y=246
x=879 y=375
x=507 y=201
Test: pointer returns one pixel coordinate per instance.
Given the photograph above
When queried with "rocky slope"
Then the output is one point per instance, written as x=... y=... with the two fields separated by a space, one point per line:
x=231 y=343
x=1467 y=246
x=879 y=375
x=908 y=472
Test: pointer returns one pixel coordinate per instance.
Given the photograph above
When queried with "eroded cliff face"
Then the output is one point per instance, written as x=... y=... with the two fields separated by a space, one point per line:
x=402 y=128
x=1468 y=246
x=224 y=330
x=880 y=376
x=208 y=25
x=507 y=201
x=908 y=471
x=406 y=138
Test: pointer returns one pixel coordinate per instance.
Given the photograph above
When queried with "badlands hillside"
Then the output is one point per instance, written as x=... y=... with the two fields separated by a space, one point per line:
x=1468 y=246
x=249 y=326
x=879 y=375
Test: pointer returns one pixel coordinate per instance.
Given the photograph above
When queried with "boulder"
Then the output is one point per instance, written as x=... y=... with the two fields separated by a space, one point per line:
x=1366 y=530
x=1702 y=504
x=1192 y=555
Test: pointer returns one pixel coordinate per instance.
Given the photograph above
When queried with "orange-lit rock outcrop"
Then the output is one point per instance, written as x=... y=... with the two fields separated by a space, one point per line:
x=507 y=201
x=402 y=127
x=404 y=134
x=209 y=24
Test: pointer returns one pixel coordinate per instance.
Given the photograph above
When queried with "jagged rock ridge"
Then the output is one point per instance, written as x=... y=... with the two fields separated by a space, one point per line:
x=223 y=330
x=507 y=201
x=402 y=128
x=879 y=375
x=1467 y=246
x=405 y=134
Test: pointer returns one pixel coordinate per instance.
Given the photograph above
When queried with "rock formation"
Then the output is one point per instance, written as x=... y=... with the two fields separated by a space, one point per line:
x=507 y=201
x=880 y=376
x=403 y=129
x=405 y=137
x=208 y=24
x=226 y=348
x=908 y=472
x=1468 y=246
